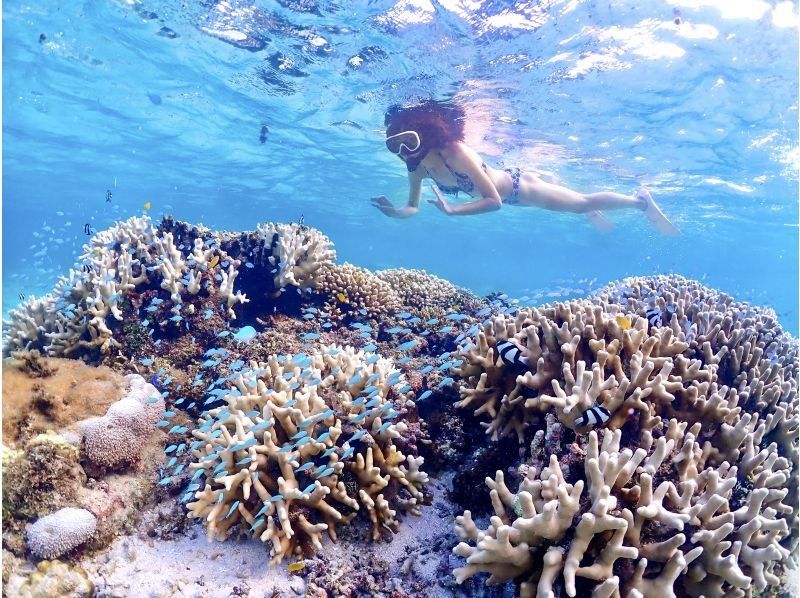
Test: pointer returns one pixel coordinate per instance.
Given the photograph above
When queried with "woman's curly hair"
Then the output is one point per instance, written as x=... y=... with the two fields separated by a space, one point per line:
x=438 y=124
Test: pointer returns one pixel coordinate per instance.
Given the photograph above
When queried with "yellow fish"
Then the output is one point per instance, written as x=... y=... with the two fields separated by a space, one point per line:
x=295 y=567
x=623 y=322
x=214 y=261
x=147 y=205
x=342 y=297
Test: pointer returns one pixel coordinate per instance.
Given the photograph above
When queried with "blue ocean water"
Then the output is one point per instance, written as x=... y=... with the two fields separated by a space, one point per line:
x=235 y=112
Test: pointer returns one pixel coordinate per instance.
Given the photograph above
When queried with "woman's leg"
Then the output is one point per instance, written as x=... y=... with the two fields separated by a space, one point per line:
x=558 y=198
x=534 y=191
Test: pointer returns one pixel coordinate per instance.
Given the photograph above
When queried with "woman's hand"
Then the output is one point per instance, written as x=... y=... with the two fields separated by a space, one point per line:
x=440 y=201
x=384 y=205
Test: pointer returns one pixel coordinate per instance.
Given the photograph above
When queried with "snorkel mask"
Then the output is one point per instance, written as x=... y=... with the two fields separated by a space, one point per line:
x=405 y=145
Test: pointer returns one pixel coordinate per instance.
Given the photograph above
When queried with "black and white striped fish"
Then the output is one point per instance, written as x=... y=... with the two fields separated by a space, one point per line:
x=593 y=416
x=511 y=354
x=654 y=316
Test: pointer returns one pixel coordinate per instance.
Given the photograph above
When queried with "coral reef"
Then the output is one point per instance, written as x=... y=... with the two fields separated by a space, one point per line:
x=58 y=533
x=687 y=491
x=184 y=264
x=301 y=445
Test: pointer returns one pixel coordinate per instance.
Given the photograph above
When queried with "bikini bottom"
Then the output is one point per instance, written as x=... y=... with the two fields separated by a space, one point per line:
x=515 y=174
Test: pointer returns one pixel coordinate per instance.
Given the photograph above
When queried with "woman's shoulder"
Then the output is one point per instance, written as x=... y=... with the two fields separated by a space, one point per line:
x=458 y=151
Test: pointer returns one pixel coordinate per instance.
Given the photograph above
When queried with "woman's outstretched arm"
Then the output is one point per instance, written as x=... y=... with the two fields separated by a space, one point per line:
x=414 y=193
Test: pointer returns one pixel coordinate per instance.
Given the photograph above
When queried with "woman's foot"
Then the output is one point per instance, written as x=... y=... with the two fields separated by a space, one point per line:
x=655 y=215
x=599 y=221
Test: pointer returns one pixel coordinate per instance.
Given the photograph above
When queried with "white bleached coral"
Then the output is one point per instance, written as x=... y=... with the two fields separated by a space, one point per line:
x=297 y=253
x=58 y=533
x=118 y=437
x=302 y=444
x=692 y=483
x=129 y=256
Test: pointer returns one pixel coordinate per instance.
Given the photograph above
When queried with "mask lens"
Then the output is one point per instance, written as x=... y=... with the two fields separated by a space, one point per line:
x=408 y=141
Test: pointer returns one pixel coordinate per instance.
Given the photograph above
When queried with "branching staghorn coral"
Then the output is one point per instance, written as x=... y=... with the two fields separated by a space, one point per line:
x=297 y=253
x=302 y=444
x=128 y=257
x=693 y=488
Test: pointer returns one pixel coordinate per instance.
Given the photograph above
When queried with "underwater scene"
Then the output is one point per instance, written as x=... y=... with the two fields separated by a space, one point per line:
x=400 y=298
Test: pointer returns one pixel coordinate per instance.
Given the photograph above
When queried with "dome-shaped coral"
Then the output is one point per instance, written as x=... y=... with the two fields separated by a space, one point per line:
x=58 y=533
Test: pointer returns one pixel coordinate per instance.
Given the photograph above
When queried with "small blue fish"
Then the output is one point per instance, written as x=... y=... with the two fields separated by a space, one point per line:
x=232 y=509
x=224 y=333
x=426 y=369
x=323 y=473
x=164 y=481
x=372 y=358
x=171 y=462
x=394 y=330
x=404 y=315
x=170 y=448
x=445 y=382
x=146 y=361
x=407 y=346
x=310 y=336
x=162 y=423
x=425 y=395
x=369 y=347
x=309 y=488
x=384 y=427
x=276 y=498
x=305 y=466
x=446 y=329
x=358 y=435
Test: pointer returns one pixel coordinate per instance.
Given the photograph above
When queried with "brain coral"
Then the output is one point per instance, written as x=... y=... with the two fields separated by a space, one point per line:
x=58 y=533
x=684 y=490
x=117 y=438
x=302 y=444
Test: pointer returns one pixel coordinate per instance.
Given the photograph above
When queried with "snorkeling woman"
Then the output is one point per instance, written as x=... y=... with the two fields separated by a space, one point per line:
x=429 y=138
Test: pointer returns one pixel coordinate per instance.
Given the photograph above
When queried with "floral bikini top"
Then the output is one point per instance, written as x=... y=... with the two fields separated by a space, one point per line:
x=463 y=182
